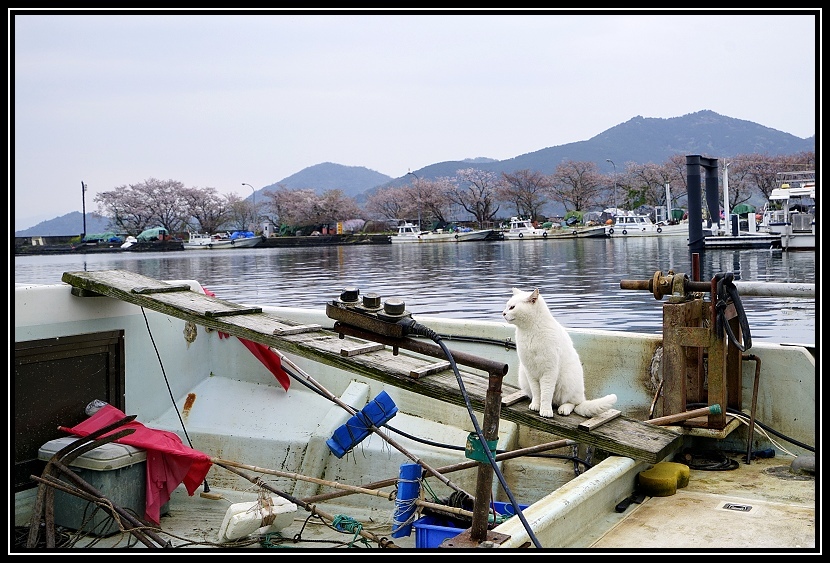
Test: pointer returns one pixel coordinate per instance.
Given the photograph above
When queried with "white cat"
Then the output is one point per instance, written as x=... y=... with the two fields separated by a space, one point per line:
x=550 y=372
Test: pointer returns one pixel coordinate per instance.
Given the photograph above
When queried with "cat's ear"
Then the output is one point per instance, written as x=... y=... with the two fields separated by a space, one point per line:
x=534 y=296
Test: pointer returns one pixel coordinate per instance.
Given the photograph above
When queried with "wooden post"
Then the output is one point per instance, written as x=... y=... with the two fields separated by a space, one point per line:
x=484 y=477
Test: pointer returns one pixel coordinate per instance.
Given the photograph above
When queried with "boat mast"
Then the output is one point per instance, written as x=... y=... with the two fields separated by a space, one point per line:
x=417 y=183
x=726 y=213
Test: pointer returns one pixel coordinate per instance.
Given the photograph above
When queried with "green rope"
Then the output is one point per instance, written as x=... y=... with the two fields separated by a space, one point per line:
x=273 y=540
x=346 y=524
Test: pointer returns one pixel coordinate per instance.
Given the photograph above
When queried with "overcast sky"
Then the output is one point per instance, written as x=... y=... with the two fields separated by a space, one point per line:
x=221 y=99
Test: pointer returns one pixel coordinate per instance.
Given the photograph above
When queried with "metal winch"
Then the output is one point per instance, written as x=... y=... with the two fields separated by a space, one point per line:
x=703 y=343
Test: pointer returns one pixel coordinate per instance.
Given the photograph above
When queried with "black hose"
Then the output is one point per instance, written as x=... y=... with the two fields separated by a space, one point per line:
x=726 y=287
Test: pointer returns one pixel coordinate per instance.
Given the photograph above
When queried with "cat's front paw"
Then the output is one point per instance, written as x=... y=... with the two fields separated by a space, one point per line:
x=534 y=405
x=546 y=412
x=565 y=409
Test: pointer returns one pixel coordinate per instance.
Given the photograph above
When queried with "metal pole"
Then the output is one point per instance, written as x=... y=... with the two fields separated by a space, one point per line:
x=419 y=198
x=615 y=183
x=83 y=208
x=254 y=203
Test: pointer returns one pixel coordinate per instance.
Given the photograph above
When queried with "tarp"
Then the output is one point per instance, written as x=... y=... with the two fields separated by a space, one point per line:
x=156 y=233
x=169 y=461
x=103 y=237
x=241 y=234
x=743 y=209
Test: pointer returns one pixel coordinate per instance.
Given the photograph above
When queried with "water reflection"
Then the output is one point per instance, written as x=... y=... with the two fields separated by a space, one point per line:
x=580 y=278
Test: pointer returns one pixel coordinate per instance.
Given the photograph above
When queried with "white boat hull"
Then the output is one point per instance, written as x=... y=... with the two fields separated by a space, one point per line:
x=798 y=241
x=532 y=234
x=427 y=237
x=220 y=244
x=743 y=240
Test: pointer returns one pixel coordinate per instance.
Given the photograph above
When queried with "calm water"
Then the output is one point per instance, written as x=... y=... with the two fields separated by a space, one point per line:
x=580 y=278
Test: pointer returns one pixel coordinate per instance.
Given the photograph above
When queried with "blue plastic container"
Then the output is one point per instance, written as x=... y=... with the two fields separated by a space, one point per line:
x=431 y=530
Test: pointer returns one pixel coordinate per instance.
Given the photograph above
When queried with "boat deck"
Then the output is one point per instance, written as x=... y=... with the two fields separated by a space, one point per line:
x=774 y=509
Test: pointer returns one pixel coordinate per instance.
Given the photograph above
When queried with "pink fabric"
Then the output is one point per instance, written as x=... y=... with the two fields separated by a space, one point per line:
x=262 y=352
x=169 y=461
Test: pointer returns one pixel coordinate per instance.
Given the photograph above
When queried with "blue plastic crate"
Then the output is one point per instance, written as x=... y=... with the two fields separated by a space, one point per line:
x=432 y=530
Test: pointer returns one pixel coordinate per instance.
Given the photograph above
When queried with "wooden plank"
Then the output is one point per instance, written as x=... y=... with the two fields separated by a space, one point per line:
x=621 y=436
x=513 y=398
x=157 y=289
x=599 y=420
x=232 y=312
x=364 y=349
x=429 y=369
x=296 y=329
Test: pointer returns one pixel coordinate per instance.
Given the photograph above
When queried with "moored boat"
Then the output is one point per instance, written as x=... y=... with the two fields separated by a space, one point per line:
x=523 y=229
x=579 y=232
x=410 y=233
x=156 y=239
x=167 y=362
x=790 y=211
x=634 y=225
x=218 y=241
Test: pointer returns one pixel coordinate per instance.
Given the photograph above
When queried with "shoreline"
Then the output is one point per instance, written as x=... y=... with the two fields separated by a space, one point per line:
x=271 y=242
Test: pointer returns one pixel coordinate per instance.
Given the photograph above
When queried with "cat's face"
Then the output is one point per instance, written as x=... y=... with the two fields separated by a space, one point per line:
x=520 y=306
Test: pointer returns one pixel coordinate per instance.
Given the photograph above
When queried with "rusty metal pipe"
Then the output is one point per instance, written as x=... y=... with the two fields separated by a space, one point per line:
x=745 y=288
x=451 y=468
x=751 y=431
x=425 y=348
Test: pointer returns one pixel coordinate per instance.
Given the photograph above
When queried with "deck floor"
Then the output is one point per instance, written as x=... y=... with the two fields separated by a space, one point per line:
x=775 y=510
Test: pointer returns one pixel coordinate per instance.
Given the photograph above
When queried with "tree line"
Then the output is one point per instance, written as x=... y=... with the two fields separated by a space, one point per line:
x=483 y=197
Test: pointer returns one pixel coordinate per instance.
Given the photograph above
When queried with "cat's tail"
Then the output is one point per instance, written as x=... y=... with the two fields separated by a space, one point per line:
x=594 y=407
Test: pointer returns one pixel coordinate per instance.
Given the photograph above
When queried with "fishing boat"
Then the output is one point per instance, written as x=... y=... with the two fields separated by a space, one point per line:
x=523 y=229
x=593 y=231
x=634 y=225
x=790 y=211
x=156 y=239
x=218 y=241
x=411 y=233
x=362 y=424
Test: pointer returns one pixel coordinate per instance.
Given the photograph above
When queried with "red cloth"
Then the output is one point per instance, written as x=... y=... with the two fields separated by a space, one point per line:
x=169 y=461
x=263 y=353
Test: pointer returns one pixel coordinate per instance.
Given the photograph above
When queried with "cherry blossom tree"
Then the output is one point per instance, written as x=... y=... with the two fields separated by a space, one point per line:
x=387 y=204
x=526 y=190
x=476 y=192
x=209 y=211
x=152 y=203
x=577 y=185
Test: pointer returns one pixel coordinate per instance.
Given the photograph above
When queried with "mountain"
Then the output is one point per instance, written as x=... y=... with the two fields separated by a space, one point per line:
x=69 y=224
x=647 y=139
x=351 y=180
x=640 y=139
